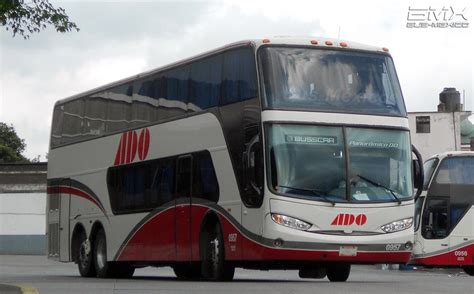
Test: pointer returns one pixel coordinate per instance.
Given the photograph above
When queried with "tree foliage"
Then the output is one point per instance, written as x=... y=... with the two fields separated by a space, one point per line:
x=25 y=18
x=11 y=146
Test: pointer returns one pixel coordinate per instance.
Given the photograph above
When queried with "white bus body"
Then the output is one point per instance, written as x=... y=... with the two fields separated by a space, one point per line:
x=239 y=157
x=444 y=217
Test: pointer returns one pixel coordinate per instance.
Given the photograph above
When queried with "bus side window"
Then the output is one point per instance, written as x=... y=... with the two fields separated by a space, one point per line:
x=205 y=184
x=57 y=125
x=95 y=115
x=205 y=83
x=73 y=116
x=239 y=77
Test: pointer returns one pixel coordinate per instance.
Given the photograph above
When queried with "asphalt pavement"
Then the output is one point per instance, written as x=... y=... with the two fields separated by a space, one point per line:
x=36 y=274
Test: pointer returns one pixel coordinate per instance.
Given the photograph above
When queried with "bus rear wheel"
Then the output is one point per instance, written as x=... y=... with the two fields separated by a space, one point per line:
x=84 y=257
x=338 y=272
x=469 y=270
x=105 y=269
x=213 y=265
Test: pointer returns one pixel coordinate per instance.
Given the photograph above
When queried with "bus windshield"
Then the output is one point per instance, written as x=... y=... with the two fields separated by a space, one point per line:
x=297 y=78
x=429 y=167
x=339 y=164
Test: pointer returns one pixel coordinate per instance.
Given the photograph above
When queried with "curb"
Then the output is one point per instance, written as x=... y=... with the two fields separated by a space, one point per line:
x=14 y=289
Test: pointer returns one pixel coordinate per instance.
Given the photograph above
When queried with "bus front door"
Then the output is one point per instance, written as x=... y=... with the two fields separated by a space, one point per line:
x=183 y=208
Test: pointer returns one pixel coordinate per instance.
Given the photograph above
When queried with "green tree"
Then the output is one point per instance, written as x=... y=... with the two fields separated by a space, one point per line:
x=11 y=146
x=25 y=18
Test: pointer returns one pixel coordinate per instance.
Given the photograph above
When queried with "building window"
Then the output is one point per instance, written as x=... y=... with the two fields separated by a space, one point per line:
x=423 y=124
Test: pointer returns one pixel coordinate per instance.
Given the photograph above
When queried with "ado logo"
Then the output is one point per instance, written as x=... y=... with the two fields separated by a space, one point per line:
x=130 y=144
x=347 y=219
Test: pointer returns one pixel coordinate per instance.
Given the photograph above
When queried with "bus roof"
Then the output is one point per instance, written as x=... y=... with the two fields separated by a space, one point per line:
x=279 y=40
x=452 y=154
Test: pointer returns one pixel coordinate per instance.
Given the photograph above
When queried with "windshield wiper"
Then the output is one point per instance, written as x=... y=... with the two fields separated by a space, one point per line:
x=315 y=192
x=381 y=186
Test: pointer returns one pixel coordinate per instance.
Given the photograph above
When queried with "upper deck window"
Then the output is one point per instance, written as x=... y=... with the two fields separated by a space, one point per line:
x=330 y=80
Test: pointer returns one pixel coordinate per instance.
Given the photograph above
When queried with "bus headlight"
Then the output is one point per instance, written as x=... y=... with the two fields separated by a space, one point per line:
x=290 y=222
x=398 y=225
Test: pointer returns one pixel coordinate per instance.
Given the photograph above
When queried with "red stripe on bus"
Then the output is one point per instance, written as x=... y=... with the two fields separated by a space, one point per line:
x=145 y=244
x=129 y=146
x=141 y=141
x=123 y=143
x=133 y=146
x=117 y=155
x=76 y=192
x=146 y=144
x=458 y=256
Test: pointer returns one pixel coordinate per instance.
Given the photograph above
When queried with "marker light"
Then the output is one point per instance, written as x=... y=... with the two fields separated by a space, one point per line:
x=290 y=222
x=329 y=43
x=314 y=42
x=398 y=225
x=266 y=41
x=343 y=44
x=385 y=49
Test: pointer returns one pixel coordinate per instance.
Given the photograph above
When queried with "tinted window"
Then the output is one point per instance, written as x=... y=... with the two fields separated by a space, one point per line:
x=204 y=178
x=205 y=83
x=147 y=185
x=239 y=76
x=57 y=125
x=429 y=167
x=177 y=84
x=330 y=80
x=118 y=116
x=95 y=116
x=456 y=170
x=73 y=113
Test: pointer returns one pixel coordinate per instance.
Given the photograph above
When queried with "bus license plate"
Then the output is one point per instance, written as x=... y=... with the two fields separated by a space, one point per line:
x=348 y=251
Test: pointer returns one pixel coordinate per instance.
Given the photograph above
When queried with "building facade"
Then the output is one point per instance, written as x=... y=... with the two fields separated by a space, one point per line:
x=22 y=208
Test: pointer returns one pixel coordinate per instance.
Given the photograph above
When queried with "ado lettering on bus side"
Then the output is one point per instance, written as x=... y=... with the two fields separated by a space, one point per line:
x=132 y=144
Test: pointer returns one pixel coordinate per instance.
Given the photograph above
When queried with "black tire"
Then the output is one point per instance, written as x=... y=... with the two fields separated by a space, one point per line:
x=187 y=271
x=469 y=270
x=213 y=264
x=85 y=263
x=338 y=272
x=105 y=269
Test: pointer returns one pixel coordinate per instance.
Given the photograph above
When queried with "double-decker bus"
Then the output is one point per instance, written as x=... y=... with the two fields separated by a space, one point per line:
x=444 y=216
x=263 y=154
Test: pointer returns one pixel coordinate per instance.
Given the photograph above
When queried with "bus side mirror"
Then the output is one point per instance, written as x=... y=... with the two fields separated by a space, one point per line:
x=253 y=165
x=418 y=173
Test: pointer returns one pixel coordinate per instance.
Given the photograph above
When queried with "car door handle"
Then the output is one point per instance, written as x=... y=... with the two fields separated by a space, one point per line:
x=444 y=244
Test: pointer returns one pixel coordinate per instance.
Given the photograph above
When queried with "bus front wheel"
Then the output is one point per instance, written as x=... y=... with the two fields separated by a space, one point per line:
x=469 y=270
x=338 y=272
x=213 y=265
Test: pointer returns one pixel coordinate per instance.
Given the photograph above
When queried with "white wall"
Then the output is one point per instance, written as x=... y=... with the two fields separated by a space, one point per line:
x=22 y=213
x=445 y=134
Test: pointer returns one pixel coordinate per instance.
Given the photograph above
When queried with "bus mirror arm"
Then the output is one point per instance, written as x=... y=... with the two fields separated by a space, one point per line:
x=418 y=172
